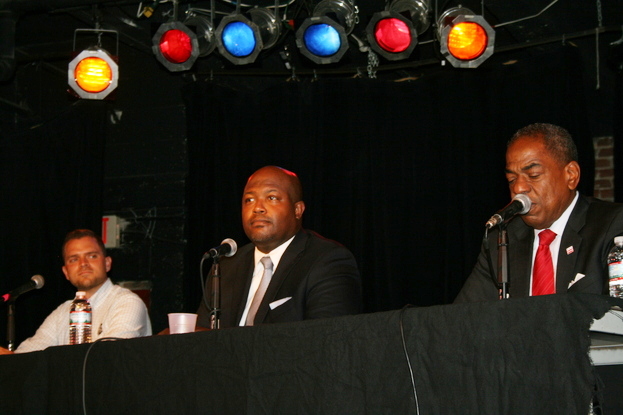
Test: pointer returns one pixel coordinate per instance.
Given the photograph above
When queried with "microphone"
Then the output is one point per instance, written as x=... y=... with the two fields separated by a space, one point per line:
x=520 y=205
x=36 y=282
x=228 y=248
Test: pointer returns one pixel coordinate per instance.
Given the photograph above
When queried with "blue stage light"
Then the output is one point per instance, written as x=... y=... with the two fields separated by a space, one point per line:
x=322 y=40
x=323 y=37
x=239 y=39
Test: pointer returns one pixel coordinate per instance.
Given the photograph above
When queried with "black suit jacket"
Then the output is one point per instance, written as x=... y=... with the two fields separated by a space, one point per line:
x=589 y=234
x=320 y=275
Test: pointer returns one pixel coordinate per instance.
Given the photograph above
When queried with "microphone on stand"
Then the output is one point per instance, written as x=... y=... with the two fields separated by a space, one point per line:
x=227 y=248
x=36 y=282
x=520 y=205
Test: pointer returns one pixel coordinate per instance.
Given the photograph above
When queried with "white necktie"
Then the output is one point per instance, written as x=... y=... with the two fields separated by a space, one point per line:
x=261 y=290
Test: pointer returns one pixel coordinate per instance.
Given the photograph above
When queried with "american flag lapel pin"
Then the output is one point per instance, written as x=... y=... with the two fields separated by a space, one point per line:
x=569 y=250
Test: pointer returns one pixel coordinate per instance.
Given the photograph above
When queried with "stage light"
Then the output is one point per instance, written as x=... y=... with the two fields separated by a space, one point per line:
x=176 y=46
x=241 y=40
x=93 y=73
x=323 y=37
x=204 y=30
x=466 y=40
x=393 y=33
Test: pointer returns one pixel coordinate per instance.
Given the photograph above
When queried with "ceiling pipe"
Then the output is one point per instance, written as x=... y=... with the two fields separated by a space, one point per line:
x=22 y=6
x=11 y=10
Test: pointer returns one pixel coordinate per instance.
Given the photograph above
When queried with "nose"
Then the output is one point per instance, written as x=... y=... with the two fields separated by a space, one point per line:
x=519 y=185
x=258 y=207
x=83 y=261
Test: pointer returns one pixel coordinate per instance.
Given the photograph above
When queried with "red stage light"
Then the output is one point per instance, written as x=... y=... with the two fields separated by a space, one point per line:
x=393 y=35
x=176 y=46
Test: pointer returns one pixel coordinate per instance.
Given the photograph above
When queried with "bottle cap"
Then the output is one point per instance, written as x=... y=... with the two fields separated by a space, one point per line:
x=618 y=240
x=80 y=294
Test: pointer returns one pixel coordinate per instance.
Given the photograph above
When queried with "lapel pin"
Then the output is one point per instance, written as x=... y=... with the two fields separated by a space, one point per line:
x=569 y=250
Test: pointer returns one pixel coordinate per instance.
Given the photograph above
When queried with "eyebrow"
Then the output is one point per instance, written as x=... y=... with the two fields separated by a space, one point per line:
x=85 y=253
x=526 y=168
x=530 y=166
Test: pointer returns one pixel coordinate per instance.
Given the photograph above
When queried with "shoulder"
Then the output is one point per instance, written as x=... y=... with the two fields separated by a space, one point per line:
x=312 y=248
x=121 y=294
x=601 y=205
x=317 y=239
x=602 y=211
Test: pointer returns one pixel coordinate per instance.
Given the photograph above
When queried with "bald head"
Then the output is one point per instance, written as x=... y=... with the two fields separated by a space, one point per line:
x=272 y=207
x=290 y=180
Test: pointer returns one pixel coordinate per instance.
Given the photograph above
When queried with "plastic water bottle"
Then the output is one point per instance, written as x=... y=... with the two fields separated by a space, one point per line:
x=615 y=268
x=80 y=320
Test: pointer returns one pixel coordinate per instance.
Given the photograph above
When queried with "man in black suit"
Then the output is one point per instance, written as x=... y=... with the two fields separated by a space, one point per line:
x=312 y=277
x=541 y=162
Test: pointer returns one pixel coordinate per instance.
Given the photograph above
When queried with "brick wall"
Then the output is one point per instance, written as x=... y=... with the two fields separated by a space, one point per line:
x=604 y=168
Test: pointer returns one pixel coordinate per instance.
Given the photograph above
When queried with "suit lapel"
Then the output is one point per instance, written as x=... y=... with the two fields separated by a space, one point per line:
x=235 y=296
x=570 y=239
x=286 y=263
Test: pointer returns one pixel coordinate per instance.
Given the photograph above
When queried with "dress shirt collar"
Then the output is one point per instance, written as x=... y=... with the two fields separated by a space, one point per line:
x=98 y=298
x=275 y=255
x=559 y=225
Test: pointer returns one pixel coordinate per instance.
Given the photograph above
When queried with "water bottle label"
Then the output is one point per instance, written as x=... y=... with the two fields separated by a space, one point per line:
x=79 y=317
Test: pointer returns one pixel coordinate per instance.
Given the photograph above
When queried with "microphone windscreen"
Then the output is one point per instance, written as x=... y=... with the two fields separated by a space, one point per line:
x=39 y=281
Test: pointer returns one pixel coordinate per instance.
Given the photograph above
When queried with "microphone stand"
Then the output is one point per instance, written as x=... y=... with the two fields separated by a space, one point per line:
x=503 y=277
x=215 y=298
x=10 y=331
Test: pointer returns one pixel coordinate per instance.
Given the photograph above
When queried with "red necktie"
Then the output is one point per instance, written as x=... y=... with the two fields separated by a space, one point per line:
x=543 y=272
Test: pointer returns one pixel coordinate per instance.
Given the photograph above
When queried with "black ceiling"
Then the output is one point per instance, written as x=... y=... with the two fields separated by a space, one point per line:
x=45 y=28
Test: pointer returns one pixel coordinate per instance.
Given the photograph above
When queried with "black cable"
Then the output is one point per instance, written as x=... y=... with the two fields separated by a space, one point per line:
x=404 y=347
x=84 y=370
x=485 y=245
x=203 y=290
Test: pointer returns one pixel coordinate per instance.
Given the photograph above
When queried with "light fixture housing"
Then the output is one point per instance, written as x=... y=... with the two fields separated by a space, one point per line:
x=323 y=37
x=393 y=33
x=466 y=40
x=93 y=73
x=175 y=46
x=240 y=39
x=204 y=30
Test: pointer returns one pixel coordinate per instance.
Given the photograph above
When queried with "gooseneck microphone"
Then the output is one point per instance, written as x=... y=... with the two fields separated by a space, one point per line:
x=520 y=205
x=227 y=248
x=36 y=282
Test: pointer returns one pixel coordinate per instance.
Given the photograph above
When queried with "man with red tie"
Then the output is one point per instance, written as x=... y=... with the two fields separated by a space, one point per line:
x=562 y=244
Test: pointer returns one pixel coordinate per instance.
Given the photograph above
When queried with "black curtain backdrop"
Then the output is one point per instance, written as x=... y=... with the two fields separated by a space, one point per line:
x=405 y=174
x=51 y=182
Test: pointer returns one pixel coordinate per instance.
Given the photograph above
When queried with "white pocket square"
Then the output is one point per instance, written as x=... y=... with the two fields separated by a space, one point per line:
x=277 y=303
x=577 y=278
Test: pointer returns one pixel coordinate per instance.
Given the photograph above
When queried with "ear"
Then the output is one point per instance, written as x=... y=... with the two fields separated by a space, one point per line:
x=108 y=263
x=299 y=208
x=65 y=272
x=572 y=170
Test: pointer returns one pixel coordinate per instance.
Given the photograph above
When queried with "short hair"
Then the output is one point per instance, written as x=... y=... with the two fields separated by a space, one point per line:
x=83 y=233
x=557 y=140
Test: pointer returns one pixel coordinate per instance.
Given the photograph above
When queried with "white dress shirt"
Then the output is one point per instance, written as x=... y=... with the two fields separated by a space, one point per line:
x=275 y=256
x=116 y=312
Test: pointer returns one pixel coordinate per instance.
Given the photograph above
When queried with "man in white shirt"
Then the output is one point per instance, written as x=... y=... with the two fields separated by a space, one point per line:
x=117 y=312
x=541 y=162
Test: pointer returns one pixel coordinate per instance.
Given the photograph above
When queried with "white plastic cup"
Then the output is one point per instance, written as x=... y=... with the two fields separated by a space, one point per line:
x=182 y=323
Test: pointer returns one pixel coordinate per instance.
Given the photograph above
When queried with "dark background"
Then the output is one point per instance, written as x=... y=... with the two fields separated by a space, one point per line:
x=404 y=168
